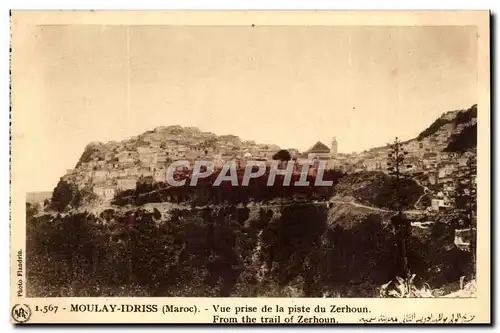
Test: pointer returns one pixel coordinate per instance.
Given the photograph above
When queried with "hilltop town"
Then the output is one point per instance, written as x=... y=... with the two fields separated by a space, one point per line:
x=433 y=157
x=199 y=243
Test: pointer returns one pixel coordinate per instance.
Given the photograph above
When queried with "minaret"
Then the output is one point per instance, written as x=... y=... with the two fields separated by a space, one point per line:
x=333 y=151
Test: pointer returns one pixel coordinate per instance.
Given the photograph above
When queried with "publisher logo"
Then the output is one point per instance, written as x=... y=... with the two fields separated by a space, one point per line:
x=21 y=313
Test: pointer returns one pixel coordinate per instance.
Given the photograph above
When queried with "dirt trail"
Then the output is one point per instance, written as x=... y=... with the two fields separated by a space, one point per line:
x=426 y=191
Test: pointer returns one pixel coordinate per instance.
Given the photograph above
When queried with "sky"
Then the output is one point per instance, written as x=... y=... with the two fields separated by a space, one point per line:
x=287 y=85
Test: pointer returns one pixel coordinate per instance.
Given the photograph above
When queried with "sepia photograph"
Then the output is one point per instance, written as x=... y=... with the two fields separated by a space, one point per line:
x=247 y=160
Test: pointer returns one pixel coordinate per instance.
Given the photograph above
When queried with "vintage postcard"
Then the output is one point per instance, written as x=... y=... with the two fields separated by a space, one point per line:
x=250 y=167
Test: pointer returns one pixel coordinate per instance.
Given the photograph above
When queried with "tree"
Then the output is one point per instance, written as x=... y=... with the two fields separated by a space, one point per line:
x=396 y=166
x=64 y=194
x=282 y=155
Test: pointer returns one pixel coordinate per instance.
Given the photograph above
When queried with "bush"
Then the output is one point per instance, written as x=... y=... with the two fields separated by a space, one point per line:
x=63 y=195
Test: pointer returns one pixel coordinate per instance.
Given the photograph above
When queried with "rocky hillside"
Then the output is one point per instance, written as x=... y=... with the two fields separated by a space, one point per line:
x=448 y=137
x=454 y=131
x=181 y=142
x=106 y=169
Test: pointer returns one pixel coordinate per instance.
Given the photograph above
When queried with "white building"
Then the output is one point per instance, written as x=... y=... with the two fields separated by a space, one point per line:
x=334 y=149
x=109 y=193
x=437 y=203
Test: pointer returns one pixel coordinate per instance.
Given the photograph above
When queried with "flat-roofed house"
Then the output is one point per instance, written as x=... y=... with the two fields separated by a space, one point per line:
x=109 y=192
x=147 y=155
x=125 y=157
x=100 y=176
x=98 y=190
x=127 y=183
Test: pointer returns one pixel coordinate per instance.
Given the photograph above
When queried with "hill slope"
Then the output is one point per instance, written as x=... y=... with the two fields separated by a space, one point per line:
x=304 y=250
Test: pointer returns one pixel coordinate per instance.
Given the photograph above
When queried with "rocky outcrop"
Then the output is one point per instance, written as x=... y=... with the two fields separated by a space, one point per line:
x=453 y=121
x=378 y=189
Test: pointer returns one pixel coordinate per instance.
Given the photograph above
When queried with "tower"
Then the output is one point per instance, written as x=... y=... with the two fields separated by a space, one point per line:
x=333 y=151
